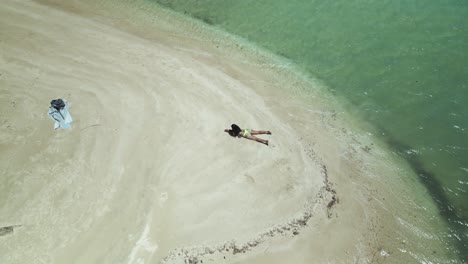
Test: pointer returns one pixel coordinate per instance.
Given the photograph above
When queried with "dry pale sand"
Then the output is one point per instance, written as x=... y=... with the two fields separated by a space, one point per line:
x=146 y=174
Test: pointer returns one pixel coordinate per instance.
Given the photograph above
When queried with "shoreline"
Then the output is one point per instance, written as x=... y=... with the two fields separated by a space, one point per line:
x=284 y=112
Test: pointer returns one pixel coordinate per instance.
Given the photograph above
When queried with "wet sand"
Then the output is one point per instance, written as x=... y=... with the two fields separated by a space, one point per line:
x=146 y=173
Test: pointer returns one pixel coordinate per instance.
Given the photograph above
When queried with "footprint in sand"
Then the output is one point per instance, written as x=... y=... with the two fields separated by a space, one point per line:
x=163 y=198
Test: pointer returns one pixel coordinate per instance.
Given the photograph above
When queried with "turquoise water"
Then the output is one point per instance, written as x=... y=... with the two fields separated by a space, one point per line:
x=401 y=65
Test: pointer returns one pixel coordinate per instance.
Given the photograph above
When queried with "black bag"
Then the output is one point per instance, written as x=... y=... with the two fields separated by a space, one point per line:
x=57 y=104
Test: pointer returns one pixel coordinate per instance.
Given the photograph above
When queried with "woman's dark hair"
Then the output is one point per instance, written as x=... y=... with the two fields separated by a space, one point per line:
x=235 y=130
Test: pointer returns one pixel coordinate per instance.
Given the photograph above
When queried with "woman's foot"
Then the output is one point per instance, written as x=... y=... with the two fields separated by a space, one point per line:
x=266 y=142
x=268 y=133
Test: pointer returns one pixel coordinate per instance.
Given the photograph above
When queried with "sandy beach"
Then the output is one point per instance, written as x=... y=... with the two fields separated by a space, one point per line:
x=146 y=173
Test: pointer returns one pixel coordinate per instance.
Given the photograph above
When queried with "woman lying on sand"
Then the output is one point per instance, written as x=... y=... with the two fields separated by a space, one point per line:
x=236 y=131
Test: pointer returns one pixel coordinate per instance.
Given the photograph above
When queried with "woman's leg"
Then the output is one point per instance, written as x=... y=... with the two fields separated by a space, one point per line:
x=259 y=132
x=263 y=141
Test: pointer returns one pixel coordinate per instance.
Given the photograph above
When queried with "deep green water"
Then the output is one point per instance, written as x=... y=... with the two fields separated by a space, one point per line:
x=402 y=65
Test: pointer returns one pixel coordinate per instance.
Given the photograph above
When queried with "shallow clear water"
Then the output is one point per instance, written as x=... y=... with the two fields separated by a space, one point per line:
x=401 y=65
